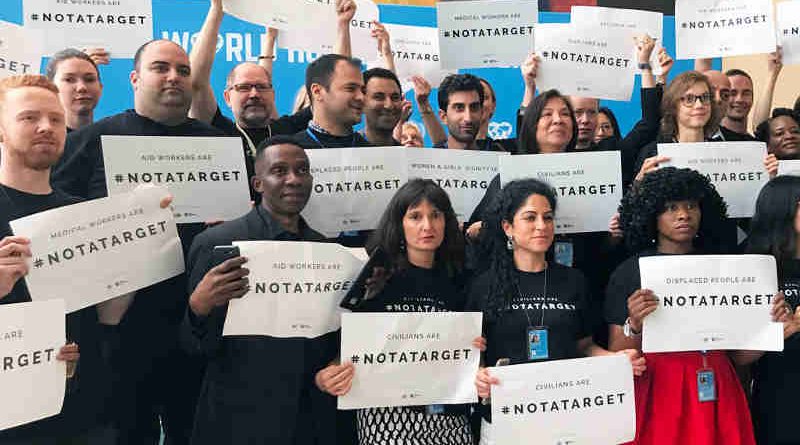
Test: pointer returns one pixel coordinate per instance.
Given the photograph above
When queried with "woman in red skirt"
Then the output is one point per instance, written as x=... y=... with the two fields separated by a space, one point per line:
x=677 y=212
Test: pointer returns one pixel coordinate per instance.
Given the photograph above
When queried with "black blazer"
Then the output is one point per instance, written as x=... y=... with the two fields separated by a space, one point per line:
x=257 y=389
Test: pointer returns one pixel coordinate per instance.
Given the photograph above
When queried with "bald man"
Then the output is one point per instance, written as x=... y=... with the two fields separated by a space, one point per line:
x=154 y=382
x=249 y=93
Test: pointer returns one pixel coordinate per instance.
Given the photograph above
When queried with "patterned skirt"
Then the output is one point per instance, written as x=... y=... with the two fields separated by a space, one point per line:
x=406 y=426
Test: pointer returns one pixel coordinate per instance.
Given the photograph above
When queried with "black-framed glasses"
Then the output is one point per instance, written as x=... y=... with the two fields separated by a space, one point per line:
x=689 y=100
x=248 y=87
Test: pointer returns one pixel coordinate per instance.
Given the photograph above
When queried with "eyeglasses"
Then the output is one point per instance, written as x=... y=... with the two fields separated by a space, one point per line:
x=690 y=99
x=248 y=87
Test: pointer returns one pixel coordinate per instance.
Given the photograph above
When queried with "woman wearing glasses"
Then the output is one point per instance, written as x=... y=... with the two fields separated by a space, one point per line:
x=689 y=114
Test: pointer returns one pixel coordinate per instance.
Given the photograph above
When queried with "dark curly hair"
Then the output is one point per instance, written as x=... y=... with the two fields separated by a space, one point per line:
x=389 y=236
x=500 y=260
x=458 y=82
x=641 y=207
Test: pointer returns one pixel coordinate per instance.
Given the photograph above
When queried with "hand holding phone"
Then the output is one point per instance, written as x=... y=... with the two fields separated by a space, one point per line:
x=226 y=280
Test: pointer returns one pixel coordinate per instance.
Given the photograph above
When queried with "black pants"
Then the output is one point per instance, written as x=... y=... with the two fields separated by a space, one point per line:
x=153 y=391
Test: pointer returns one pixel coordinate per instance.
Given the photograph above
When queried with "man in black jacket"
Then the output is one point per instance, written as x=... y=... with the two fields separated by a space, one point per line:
x=258 y=389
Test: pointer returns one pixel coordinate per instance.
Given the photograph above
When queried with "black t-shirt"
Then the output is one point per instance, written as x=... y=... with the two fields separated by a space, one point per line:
x=733 y=136
x=285 y=125
x=623 y=282
x=415 y=289
x=776 y=374
x=563 y=310
x=309 y=138
x=86 y=391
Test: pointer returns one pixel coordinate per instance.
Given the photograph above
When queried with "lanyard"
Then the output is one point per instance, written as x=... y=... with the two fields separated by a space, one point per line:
x=544 y=297
x=250 y=144
x=316 y=139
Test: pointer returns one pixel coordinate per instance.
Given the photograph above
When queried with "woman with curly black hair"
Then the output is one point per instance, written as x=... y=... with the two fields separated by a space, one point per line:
x=775 y=231
x=423 y=250
x=675 y=212
x=533 y=309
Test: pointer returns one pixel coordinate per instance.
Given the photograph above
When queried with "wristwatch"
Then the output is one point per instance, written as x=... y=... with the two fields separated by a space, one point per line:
x=645 y=66
x=628 y=330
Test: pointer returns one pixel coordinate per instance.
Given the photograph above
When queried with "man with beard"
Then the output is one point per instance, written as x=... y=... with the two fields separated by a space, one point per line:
x=258 y=389
x=152 y=377
x=461 y=109
x=383 y=106
x=32 y=132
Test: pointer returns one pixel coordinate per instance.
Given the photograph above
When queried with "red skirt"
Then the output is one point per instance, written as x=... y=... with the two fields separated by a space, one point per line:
x=668 y=411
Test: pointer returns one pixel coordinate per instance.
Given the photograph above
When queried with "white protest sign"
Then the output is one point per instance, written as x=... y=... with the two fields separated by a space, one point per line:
x=723 y=28
x=296 y=288
x=463 y=174
x=411 y=358
x=584 y=62
x=278 y=14
x=580 y=401
x=416 y=53
x=588 y=185
x=32 y=380
x=352 y=186
x=94 y=251
x=119 y=26
x=484 y=34
x=206 y=175
x=20 y=50
x=316 y=31
x=789 y=167
x=735 y=168
x=711 y=302
x=787 y=16
x=634 y=21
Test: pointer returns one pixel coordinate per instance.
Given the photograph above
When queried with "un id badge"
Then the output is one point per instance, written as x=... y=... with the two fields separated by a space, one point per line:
x=537 y=343
x=564 y=253
x=706 y=386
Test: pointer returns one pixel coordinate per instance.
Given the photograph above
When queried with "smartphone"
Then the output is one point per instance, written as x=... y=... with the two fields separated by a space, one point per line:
x=220 y=254
x=358 y=291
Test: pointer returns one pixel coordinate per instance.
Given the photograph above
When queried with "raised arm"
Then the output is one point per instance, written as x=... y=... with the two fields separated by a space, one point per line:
x=703 y=64
x=380 y=34
x=763 y=106
x=422 y=91
x=345 y=11
x=204 y=105
x=266 y=59
x=529 y=69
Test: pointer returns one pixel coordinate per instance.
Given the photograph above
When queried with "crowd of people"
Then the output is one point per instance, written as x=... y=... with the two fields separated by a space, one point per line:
x=155 y=362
